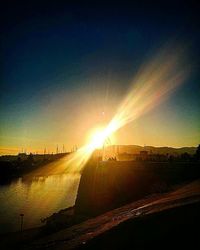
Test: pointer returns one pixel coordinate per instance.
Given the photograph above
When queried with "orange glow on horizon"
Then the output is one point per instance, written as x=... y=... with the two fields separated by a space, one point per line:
x=151 y=86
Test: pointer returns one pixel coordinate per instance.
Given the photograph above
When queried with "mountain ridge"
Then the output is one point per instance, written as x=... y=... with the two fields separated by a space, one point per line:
x=131 y=149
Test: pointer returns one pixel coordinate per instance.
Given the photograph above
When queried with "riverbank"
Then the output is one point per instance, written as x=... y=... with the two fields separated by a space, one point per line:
x=147 y=221
x=108 y=185
x=12 y=167
x=105 y=186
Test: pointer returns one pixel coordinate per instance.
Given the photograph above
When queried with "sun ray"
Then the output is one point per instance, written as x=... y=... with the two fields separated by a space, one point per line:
x=152 y=85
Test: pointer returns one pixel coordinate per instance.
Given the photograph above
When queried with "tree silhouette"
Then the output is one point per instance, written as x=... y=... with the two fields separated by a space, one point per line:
x=197 y=154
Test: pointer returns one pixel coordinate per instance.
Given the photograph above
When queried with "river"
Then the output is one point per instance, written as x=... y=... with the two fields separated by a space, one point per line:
x=36 y=199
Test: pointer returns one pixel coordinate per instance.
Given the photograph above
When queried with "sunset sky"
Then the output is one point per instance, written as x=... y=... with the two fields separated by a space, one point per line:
x=65 y=69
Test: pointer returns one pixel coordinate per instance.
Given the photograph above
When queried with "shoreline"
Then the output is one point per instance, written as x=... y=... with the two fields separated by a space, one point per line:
x=181 y=196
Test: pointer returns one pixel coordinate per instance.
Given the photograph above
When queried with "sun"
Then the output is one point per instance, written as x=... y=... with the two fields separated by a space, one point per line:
x=98 y=138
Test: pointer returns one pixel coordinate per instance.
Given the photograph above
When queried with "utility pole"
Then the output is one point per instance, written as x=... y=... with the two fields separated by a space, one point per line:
x=22 y=219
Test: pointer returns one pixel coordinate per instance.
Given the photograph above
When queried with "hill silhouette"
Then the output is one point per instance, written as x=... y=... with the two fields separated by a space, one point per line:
x=134 y=149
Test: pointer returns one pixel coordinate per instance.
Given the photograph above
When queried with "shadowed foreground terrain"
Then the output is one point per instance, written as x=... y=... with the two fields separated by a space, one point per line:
x=169 y=229
x=160 y=221
x=111 y=184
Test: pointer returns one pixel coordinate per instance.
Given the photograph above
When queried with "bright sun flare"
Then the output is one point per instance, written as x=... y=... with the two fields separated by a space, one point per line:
x=153 y=84
x=98 y=138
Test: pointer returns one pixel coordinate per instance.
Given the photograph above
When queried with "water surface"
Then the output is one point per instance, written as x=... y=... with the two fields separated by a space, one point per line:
x=36 y=199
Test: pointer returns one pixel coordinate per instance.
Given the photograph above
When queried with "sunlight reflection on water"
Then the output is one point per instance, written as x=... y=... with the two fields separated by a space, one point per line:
x=36 y=198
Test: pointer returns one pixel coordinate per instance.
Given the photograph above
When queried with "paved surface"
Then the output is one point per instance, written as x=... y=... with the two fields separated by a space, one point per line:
x=80 y=234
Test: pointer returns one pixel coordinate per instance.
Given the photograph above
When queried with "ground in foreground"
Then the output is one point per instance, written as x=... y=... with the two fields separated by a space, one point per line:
x=161 y=222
